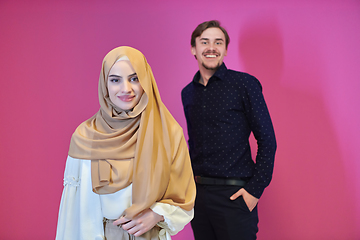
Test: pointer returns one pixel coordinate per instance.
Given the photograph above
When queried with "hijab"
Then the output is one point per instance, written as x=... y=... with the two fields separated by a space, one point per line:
x=144 y=147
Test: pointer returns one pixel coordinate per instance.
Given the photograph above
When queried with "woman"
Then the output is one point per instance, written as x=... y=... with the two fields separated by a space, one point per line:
x=128 y=174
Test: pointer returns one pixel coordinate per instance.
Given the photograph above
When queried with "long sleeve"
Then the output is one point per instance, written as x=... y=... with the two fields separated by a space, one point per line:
x=79 y=221
x=261 y=125
x=175 y=218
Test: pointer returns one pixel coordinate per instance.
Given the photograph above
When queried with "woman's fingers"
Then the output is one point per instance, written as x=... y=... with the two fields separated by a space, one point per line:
x=140 y=224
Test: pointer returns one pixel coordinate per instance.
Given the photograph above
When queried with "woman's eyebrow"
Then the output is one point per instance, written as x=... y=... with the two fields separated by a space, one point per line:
x=114 y=75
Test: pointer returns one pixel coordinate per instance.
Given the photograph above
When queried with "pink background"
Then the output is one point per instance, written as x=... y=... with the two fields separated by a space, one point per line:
x=305 y=53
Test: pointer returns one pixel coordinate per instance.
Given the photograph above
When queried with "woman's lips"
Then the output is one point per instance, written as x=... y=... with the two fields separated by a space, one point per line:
x=126 y=98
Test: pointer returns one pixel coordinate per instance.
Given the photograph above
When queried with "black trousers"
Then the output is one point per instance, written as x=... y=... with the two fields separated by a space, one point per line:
x=217 y=217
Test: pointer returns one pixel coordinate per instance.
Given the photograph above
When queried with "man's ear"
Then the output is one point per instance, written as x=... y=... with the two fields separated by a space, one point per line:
x=193 y=50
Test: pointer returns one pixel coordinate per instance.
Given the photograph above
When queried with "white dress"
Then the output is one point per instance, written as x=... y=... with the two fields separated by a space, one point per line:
x=82 y=211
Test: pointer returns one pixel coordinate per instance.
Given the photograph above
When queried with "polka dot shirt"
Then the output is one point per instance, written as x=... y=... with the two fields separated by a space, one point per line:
x=220 y=117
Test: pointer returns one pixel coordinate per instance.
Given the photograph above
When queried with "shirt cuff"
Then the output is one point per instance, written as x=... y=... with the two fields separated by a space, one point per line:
x=175 y=218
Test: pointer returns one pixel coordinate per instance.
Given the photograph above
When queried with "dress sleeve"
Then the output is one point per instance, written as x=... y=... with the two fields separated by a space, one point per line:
x=79 y=221
x=175 y=218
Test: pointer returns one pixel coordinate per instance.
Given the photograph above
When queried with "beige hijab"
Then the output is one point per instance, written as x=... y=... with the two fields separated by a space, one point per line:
x=145 y=146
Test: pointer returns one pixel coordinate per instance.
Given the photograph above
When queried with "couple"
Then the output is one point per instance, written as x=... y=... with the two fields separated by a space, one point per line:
x=129 y=175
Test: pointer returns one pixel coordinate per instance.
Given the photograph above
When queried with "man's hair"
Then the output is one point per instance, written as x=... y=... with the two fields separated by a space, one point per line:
x=205 y=25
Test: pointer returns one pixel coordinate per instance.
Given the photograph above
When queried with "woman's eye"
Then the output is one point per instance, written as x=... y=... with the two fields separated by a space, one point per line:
x=134 y=79
x=114 y=80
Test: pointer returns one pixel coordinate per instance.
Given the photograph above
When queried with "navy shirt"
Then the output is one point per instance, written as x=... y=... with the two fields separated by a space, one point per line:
x=220 y=117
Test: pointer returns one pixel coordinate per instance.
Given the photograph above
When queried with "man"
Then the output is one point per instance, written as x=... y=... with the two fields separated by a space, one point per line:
x=222 y=107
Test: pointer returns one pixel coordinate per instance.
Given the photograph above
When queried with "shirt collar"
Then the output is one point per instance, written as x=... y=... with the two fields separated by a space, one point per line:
x=220 y=74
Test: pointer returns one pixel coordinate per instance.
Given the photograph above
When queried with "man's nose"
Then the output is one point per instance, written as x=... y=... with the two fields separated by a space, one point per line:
x=211 y=46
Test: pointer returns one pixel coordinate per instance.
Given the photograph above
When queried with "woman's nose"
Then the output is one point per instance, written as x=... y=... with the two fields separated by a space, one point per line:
x=125 y=87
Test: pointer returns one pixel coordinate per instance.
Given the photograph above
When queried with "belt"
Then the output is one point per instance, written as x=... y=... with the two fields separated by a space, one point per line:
x=220 y=181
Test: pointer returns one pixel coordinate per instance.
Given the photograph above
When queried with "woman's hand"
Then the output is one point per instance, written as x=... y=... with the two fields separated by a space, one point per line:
x=141 y=223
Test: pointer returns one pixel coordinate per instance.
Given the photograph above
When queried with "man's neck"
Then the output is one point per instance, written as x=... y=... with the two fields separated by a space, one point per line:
x=205 y=75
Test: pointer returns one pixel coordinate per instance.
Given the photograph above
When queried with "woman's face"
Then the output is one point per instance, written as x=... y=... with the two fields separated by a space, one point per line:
x=123 y=85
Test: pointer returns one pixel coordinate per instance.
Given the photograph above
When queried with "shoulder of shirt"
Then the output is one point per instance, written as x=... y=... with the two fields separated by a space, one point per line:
x=243 y=77
x=187 y=87
x=240 y=75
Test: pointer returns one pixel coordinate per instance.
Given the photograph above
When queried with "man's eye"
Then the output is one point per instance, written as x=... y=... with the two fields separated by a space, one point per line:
x=204 y=43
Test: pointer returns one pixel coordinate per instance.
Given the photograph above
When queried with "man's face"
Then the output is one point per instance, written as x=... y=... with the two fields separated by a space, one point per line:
x=210 y=49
